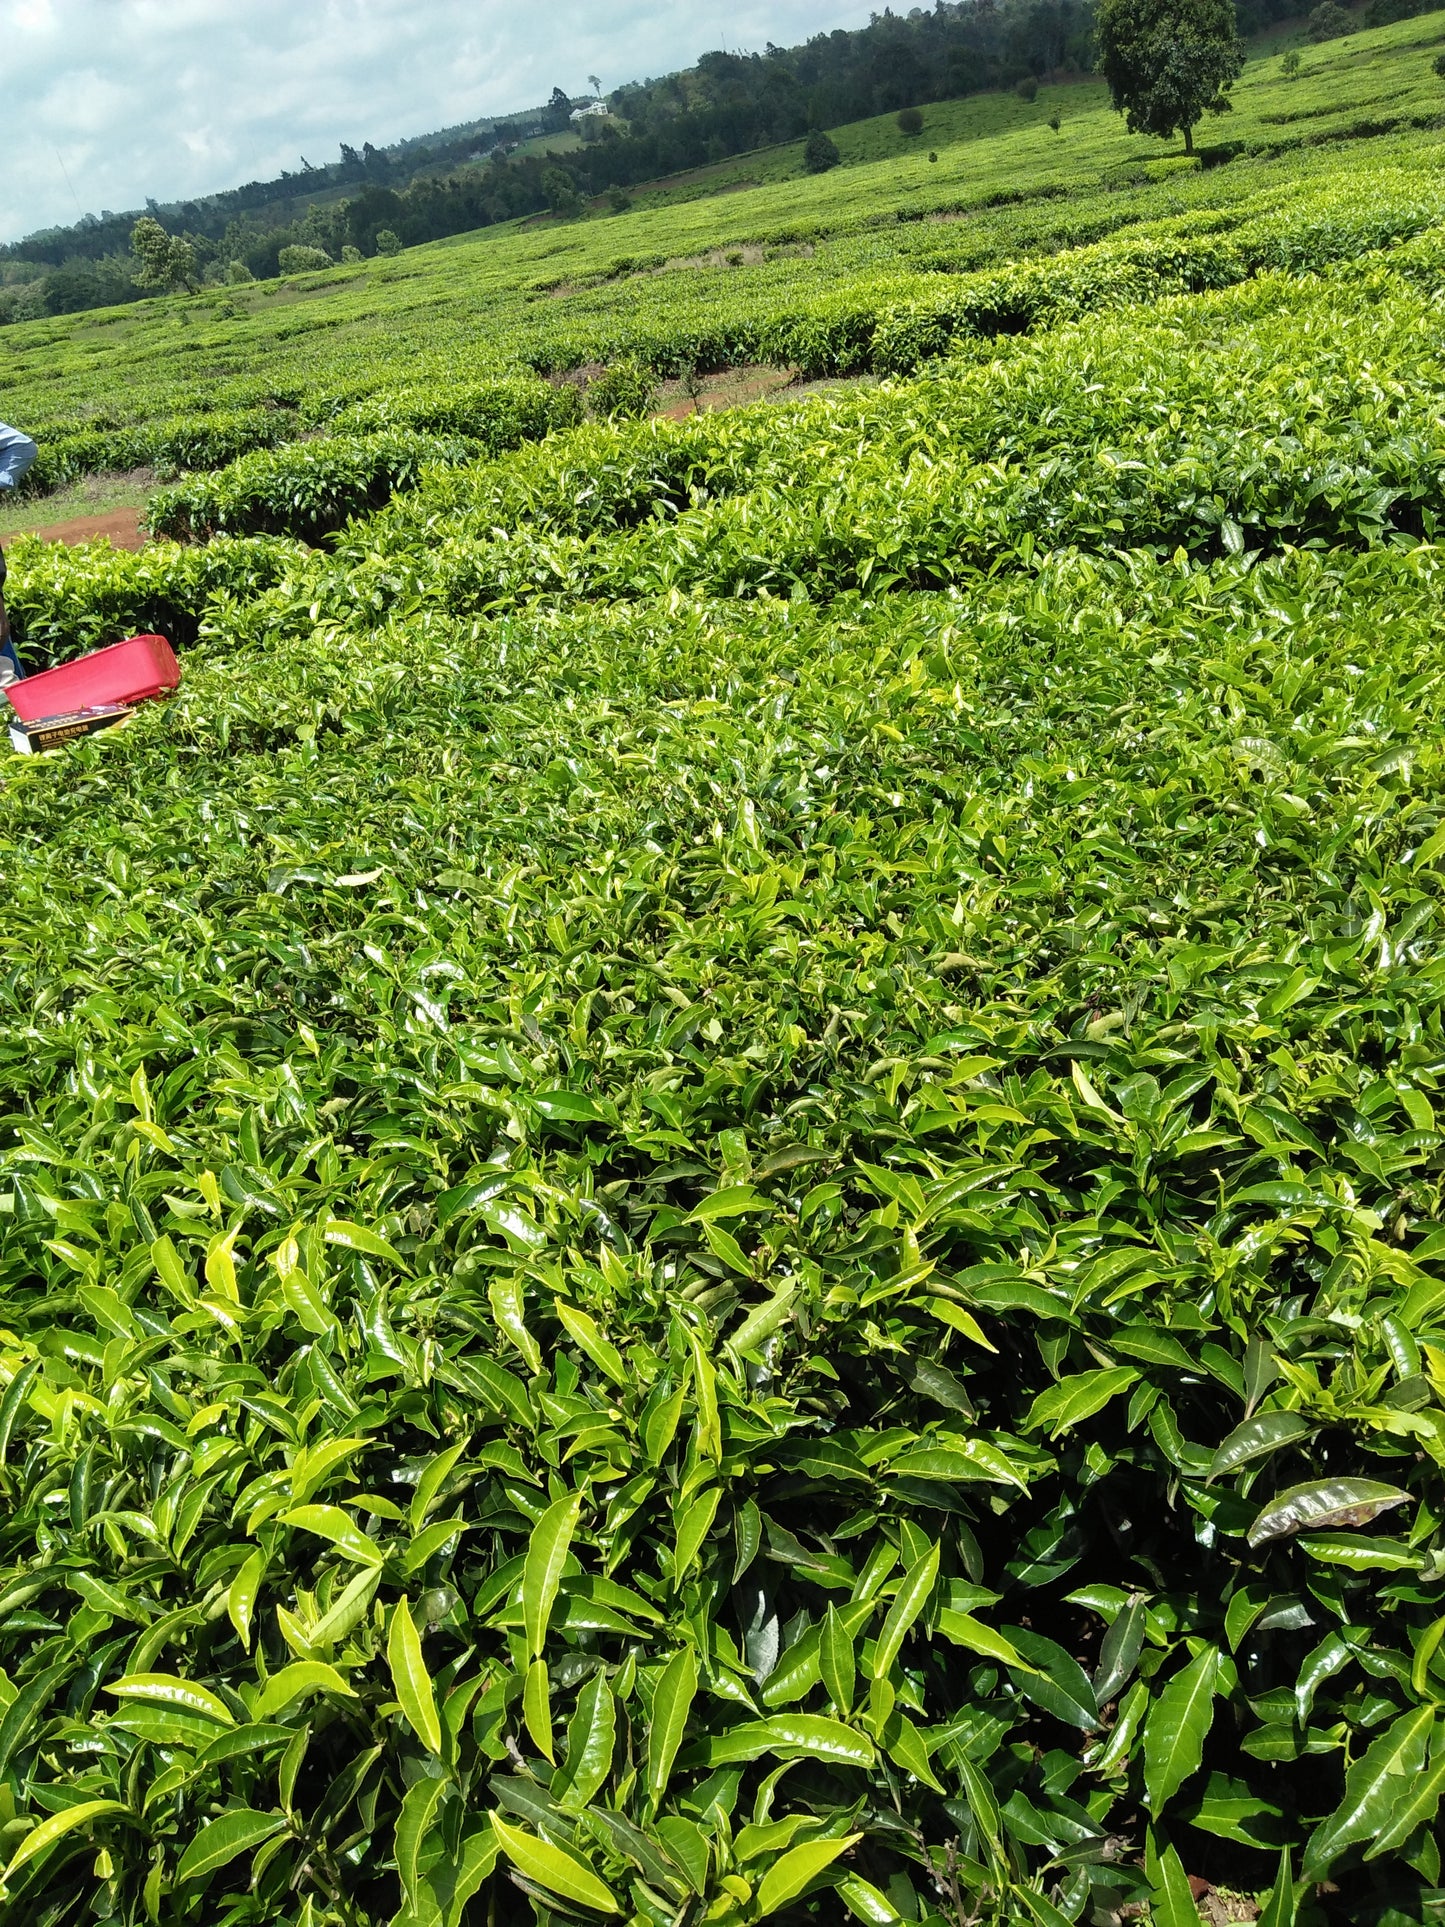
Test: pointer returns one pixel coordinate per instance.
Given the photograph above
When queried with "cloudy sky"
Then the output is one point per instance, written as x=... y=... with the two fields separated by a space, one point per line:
x=106 y=102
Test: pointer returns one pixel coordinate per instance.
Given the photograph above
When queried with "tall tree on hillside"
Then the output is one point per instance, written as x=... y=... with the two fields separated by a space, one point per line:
x=1168 y=62
x=162 y=260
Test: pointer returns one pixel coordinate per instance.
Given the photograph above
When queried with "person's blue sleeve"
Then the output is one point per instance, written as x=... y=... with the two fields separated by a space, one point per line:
x=17 y=453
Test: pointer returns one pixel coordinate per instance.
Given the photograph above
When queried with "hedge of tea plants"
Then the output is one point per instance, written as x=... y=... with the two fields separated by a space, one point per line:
x=73 y=448
x=270 y=447
x=308 y=490
x=1277 y=413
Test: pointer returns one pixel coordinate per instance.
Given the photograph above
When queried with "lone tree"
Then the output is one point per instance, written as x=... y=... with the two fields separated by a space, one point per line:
x=820 y=153
x=561 y=191
x=300 y=260
x=162 y=260
x=1329 y=22
x=1168 y=62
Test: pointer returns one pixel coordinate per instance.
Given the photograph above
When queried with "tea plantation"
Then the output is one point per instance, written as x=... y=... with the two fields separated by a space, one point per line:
x=722 y=1187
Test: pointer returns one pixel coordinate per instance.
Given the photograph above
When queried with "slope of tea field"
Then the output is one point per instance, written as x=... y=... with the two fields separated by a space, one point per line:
x=550 y=295
x=722 y=1184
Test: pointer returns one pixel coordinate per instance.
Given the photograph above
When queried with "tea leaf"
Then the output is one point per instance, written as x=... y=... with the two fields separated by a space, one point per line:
x=410 y=1678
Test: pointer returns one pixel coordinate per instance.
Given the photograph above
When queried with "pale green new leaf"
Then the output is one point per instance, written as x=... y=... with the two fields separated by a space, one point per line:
x=547 y=1550
x=57 y=1826
x=671 y=1703
x=914 y=1591
x=788 y=1876
x=237 y=1831
x=560 y=1872
x=298 y=1681
x=410 y=1678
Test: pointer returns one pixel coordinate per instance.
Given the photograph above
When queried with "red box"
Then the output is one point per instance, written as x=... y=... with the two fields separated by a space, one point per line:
x=126 y=672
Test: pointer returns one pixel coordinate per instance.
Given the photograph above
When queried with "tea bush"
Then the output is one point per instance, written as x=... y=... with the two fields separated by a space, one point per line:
x=309 y=489
x=496 y=415
x=625 y=391
x=200 y=441
x=64 y=601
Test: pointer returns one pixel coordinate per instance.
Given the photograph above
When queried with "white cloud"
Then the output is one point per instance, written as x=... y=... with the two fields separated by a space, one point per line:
x=109 y=102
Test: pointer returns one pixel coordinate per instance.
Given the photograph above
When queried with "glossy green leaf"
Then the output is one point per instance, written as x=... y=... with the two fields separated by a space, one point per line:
x=1265 y=1433
x=238 y=1830
x=547 y=1549
x=1282 y=1902
x=242 y=1594
x=536 y=1709
x=864 y=1901
x=591 y=1742
x=414 y=1824
x=21 y=1715
x=1120 y=1649
x=44 y=1836
x=332 y=1523
x=796 y=1734
x=796 y=1869
x=1385 y=1774
x=1063 y=1406
x=1416 y=1806
x=429 y=1485
x=1177 y=1726
x=693 y=1528
x=166 y=1690
x=914 y=1591
x=355 y=1237
x=964 y=1630
x=298 y=1681
x=410 y=1679
x=586 y=1333
x=347 y=1613
x=508 y=1305
x=836 y=1663
x=1171 y=1898
x=562 y=1873
x=671 y=1703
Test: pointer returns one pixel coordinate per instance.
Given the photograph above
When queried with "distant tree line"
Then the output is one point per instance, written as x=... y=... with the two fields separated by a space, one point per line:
x=470 y=178
x=90 y=264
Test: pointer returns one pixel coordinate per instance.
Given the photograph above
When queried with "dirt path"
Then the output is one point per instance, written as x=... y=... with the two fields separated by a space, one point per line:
x=120 y=527
x=733 y=388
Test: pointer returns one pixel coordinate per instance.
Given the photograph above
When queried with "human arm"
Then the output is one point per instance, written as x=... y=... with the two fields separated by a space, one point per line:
x=17 y=453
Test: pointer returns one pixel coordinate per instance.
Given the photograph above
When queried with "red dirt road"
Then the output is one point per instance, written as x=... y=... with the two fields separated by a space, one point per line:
x=121 y=528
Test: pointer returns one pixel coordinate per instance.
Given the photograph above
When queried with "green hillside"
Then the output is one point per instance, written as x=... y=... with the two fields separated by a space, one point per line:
x=555 y=293
x=722 y=1194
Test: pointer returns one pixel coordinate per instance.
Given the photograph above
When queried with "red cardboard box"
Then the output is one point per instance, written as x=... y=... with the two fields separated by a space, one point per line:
x=126 y=672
